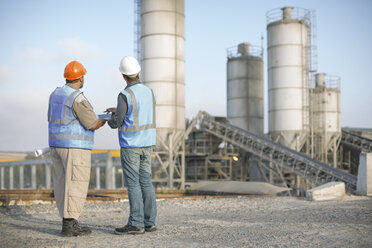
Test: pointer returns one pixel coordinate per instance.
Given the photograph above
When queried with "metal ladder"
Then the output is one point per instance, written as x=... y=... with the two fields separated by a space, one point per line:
x=357 y=141
x=290 y=160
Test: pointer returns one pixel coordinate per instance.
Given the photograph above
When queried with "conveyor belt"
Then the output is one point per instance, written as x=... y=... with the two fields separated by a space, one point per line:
x=357 y=141
x=300 y=164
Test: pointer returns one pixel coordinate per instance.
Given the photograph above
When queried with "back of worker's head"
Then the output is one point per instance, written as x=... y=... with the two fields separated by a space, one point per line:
x=129 y=67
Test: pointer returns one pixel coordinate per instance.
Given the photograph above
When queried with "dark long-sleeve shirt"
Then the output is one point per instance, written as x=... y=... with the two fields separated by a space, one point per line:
x=117 y=119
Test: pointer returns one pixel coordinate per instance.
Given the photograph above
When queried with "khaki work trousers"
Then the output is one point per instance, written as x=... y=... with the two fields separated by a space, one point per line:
x=71 y=173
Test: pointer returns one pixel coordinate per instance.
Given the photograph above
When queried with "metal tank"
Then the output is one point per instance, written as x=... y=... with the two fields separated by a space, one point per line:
x=288 y=31
x=245 y=87
x=326 y=98
x=163 y=63
x=326 y=116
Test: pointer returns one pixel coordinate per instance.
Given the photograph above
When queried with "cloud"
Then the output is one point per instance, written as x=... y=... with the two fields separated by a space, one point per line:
x=62 y=51
x=7 y=74
x=24 y=125
x=78 y=49
x=33 y=54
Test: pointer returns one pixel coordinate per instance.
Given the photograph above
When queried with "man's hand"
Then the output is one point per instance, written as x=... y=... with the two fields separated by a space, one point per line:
x=110 y=110
x=100 y=122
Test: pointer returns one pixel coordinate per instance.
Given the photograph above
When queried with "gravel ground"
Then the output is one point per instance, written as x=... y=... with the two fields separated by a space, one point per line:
x=218 y=222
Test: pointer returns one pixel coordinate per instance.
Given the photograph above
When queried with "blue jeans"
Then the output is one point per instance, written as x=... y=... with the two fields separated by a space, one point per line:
x=136 y=163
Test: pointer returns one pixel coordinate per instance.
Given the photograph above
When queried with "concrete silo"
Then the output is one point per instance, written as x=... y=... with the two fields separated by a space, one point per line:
x=245 y=88
x=288 y=31
x=162 y=38
x=163 y=63
x=326 y=117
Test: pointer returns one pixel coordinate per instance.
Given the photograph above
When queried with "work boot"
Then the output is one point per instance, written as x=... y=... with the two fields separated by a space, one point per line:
x=128 y=229
x=150 y=228
x=71 y=227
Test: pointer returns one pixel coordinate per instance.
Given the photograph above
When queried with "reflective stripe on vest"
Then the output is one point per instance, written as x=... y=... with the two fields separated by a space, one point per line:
x=133 y=133
x=71 y=136
x=64 y=129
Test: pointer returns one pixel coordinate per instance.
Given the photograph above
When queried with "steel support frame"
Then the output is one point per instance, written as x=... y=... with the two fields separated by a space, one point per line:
x=295 y=162
x=208 y=162
x=168 y=163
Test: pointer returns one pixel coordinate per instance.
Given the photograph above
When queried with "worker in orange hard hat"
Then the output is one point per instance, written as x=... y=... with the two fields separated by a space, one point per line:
x=74 y=70
x=72 y=122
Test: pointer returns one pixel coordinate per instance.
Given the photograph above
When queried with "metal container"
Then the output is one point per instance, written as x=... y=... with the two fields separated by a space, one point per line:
x=245 y=88
x=163 y=62
x=288 y=68
x=326 y=105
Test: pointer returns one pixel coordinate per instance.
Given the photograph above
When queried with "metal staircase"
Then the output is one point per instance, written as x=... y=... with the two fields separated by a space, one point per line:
x=357 y=141
x=283 y=157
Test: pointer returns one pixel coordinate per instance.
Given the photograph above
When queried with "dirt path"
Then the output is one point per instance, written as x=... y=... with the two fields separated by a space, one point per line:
x=242 y=222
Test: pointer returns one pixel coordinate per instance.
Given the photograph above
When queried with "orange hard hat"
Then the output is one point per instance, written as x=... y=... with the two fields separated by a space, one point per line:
x=74 y=70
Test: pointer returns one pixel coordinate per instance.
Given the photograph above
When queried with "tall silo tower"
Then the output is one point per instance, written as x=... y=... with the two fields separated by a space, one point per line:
x=245 y=88
x=326 y=118
x=163 y=62
x=289 y=38
x=163 y=69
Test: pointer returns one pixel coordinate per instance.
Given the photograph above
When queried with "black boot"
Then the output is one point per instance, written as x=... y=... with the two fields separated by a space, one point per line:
x=71 y=227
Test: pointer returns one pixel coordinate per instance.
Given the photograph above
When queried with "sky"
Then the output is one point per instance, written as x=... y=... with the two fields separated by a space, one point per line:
x=39 y=38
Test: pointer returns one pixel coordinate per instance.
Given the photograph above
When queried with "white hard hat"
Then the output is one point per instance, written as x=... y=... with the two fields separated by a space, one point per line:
x=129 y=66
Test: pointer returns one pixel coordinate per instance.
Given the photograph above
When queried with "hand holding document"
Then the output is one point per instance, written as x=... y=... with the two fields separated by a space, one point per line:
x=110 y=110
x=105 y=116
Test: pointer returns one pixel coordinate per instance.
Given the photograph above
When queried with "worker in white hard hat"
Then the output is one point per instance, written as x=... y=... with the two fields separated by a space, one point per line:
x=134 y=116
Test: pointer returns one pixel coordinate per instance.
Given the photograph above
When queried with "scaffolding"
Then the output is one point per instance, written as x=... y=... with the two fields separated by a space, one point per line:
x=137 y=30
x=209 y=158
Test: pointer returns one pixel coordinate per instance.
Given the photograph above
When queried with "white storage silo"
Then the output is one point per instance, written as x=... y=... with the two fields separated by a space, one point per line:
x=245 y=88
x=288 y=34
x=326 y=97
x=326 y=116
x=163 y=62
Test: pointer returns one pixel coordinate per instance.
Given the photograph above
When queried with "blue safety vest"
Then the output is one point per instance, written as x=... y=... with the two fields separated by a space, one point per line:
x=64 y=129
x=139 y=126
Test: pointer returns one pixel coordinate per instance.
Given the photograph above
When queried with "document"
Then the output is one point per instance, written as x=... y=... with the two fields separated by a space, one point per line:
x=105 y=116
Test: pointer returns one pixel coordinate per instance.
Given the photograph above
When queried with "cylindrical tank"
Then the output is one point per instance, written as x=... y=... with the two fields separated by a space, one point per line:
x=163 y=62
x=325 y=118
x=288 y=68
x=326 y=105
x=245 y=87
